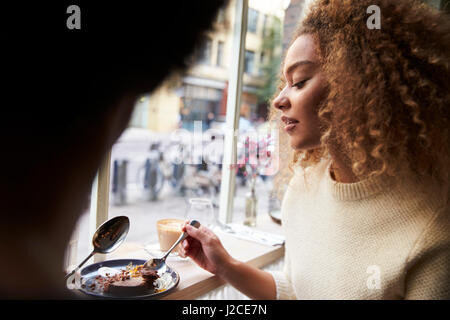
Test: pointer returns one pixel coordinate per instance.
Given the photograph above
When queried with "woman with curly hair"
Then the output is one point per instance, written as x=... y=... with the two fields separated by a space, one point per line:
x=364 y=117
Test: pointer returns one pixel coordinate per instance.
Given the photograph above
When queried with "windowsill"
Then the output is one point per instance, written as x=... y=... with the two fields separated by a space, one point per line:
x=195 y=281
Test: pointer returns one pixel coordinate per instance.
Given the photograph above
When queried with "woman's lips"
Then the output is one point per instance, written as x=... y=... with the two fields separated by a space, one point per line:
x=290 y=127
x=289 y=122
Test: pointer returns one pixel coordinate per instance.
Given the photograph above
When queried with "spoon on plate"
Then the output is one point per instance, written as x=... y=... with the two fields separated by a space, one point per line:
x=157 y=264
x=107 y=238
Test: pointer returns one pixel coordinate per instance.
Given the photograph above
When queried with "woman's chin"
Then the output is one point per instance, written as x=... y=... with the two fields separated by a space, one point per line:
x=302 y=144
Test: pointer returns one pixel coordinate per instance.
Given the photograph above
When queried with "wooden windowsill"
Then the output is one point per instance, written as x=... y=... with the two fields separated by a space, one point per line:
x=195 y=281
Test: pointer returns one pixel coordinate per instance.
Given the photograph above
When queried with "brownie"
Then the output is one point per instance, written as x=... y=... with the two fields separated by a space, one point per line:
x=129 y=287
x=130 y=282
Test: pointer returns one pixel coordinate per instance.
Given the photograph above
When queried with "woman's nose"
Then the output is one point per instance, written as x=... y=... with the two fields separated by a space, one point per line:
x=281 y=102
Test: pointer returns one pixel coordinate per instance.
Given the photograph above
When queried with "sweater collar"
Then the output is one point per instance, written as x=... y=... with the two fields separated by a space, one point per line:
x=357 y=190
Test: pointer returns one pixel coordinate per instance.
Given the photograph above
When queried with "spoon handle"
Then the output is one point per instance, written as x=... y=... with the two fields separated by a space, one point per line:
x=79 y=266
x=183 y=236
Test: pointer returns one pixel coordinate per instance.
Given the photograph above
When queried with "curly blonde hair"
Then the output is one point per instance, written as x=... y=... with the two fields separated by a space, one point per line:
x=387 y=107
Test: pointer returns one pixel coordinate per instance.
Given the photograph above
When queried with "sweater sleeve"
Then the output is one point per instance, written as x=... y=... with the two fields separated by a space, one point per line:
x=283 y=284
x=428 y=268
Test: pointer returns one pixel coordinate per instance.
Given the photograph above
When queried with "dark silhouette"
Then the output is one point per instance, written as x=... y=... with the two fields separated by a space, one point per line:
x=69 y=95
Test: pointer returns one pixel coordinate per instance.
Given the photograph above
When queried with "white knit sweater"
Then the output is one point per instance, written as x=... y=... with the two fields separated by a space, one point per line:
x=374 y=239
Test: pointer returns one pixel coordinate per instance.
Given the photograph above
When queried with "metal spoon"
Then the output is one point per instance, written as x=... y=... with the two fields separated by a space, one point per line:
x=107 y=238
x=157 y=264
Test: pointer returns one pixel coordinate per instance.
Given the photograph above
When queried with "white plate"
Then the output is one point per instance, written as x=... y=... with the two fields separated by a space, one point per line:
x=89 y=274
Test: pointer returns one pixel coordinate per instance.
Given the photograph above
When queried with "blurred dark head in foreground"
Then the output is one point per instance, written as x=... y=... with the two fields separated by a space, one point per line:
x=69 y=95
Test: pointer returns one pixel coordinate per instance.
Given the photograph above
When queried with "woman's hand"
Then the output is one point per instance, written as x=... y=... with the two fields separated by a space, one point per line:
x=205 y=248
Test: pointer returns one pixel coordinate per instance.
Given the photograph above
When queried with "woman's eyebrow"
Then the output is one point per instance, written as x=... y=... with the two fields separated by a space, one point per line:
x=298 y=64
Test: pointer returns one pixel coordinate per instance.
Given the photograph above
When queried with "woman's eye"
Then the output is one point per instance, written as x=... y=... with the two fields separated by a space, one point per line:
x=300 y=84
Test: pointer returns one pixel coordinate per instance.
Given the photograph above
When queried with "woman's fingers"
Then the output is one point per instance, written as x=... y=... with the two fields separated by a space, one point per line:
x=184 y=248
x=187 y=246
x=200 y=234
x=182 y=252
x=183 y=227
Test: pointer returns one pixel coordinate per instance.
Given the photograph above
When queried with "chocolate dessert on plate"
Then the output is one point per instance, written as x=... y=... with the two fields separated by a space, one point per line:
x=129 y=282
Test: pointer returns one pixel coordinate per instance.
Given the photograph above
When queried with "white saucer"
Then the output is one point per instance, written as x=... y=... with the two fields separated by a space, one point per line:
x=155 y=251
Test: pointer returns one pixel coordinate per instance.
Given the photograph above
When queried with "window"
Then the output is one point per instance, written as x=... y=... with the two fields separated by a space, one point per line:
x=204 y=54
x=252 y=20
x=220 y=49
x=139 y=118
x=201 y=104
x=249 y=60
x=262 y=61
x=264 y=28
x=221 y=16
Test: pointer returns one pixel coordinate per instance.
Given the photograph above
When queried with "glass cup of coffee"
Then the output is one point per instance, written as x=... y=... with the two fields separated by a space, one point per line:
x=169 y=230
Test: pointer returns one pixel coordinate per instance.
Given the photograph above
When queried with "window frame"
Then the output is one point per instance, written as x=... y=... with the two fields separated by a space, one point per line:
x=99 y=207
